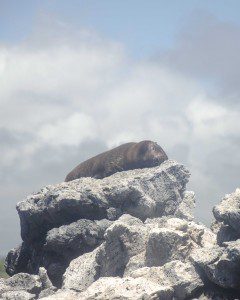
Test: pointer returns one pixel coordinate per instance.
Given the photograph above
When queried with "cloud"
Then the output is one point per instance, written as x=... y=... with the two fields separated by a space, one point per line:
x=208 y=50
x=66 y=96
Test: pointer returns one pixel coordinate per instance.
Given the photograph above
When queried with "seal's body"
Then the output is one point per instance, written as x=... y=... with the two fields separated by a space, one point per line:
x=128 y=156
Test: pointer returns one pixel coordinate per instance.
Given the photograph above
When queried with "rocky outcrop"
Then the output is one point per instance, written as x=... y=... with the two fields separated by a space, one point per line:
x=142 y=193
x=128 y=236
x=127 y=288
x=66 y=220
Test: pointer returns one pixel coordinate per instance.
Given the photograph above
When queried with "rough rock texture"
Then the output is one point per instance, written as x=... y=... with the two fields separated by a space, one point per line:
x=20 y=286
x=46 y=283
x=128 y=236
x=26 y=286
x=22 y=281
x=64 y=221
x=185 y=208
x=17 y=260
x=181 y=277
x=221 y=264
x=47 y=286
x=132 y=245
x=110 y=288
x=124 y=239
x=142 y=193
x=228 y=211
x=76 y=238
x=224 y=233
x=47 y=292
x=64 y=295
x=18 y=295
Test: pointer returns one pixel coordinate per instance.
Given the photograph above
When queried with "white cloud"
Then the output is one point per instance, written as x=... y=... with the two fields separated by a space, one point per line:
x=64 y=94
x=70 y=131
x=81 y=87
x=58 y=95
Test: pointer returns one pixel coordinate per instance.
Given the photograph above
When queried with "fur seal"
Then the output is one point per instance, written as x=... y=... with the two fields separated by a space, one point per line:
x=144 y=154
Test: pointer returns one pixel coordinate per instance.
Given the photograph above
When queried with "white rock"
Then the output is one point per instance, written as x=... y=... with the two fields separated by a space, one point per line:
x=83 y=271
x=18 y=295
x=124 y=238
x=143 y=193
x=186 y=207
x=46 y=283
x=165 y=245
x=197 y=232
x=112 y=288
x=228 y=210
x=220 y=264
x=63 y=295
x=182 y=277
x=21 y=281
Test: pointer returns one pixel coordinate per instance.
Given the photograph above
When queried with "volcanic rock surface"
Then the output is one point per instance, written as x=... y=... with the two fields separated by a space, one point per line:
x=131 y=236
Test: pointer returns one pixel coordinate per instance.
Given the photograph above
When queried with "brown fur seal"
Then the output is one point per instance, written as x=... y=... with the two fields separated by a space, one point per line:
x=128 y=156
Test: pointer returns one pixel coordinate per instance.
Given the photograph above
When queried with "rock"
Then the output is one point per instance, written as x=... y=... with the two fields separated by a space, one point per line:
x=83 y=271
x=130 y=245
x=181 y=277
x=220 y=264
x=68 y=242
x=21 y=281
x=47 y=292
x=18 y=295
x=135 y=262
x=228 y=210
x=110 y=288
x=46 y=283
x=186 y=207
x=213 y=292
x=26 y=286
x=124 y=238
x=201 y=235
x=165 y=245
x=55 y=271
x=174 y=239
x=131 y=235
x=26 y=258
x=17 y=260
x=224 y=233
x=76 y=238
x=206 y=256
x=3 y=287
x=63 y=295
x=64 y=221
x=142 y=193
x=197 y=232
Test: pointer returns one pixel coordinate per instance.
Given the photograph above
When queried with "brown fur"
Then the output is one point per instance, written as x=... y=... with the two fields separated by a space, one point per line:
x=128 y=156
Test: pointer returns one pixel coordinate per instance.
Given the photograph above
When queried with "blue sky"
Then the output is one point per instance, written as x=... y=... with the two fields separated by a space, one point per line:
x=80 y=77
x=142 y=26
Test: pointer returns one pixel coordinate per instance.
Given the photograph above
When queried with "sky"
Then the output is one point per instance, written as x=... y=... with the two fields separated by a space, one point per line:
x=80 y=77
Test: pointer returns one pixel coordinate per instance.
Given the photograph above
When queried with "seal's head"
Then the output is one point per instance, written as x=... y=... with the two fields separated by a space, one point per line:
x=150 y=154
